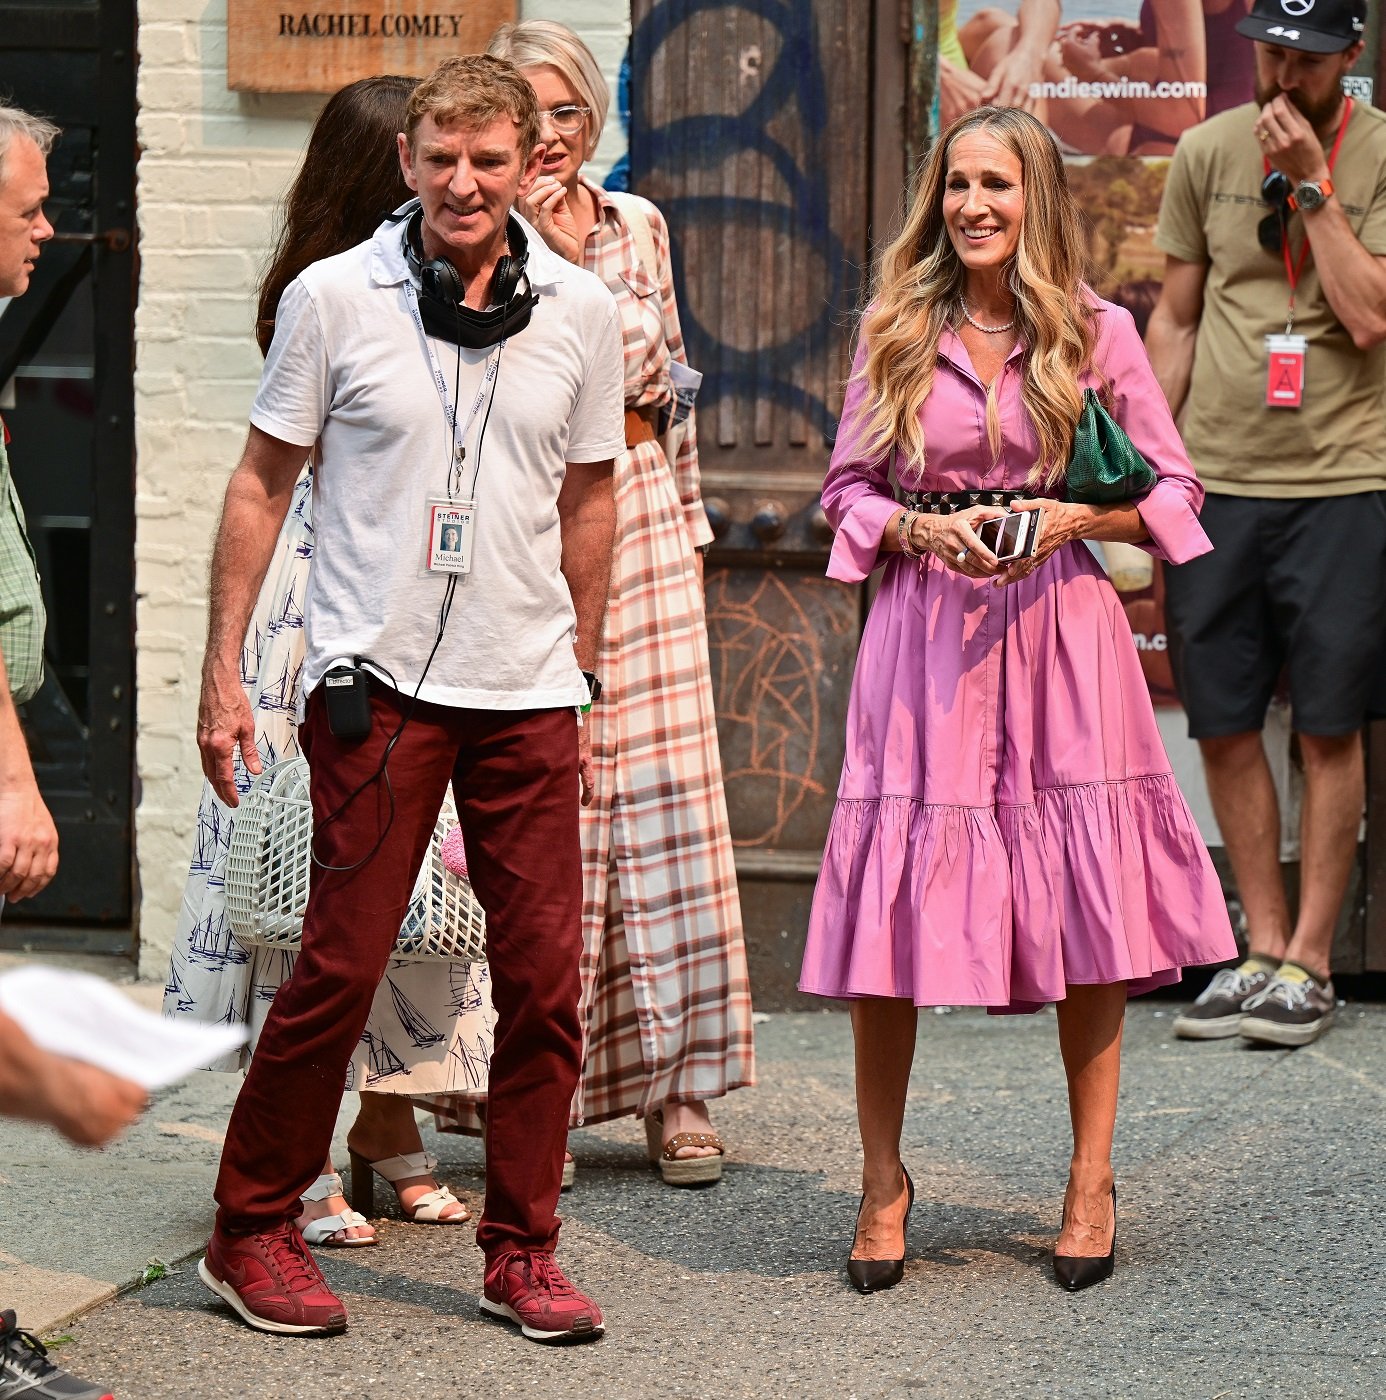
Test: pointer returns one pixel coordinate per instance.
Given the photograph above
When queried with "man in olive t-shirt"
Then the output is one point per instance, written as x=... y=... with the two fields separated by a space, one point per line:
x=1270 y=338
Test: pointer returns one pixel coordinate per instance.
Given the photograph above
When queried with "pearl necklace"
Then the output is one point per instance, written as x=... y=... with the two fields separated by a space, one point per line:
x=978 y=326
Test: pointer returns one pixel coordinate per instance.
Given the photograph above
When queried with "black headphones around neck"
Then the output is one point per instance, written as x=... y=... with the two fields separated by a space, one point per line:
x=441 y=292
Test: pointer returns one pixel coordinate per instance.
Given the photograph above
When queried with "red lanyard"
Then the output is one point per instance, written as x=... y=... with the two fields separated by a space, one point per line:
x=1294 y=267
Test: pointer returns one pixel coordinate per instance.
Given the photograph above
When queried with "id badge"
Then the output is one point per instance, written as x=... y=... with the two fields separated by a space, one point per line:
x=1285 y=370
x=449 y=532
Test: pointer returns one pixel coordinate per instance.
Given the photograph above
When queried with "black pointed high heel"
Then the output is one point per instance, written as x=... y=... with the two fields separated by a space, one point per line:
x=1075 y=1271
x=874 y=1275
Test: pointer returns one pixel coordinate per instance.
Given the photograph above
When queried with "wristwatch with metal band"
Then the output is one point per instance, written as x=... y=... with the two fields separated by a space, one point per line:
x=1312 y=194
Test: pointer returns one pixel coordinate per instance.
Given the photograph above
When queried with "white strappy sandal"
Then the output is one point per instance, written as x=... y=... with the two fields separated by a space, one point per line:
x=327 y=1229
x=427 y=1210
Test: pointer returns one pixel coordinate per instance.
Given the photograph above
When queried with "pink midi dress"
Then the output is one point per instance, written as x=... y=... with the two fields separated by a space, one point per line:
x=1007 y=823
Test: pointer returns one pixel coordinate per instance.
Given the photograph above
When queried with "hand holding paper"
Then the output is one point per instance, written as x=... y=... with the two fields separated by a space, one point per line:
x=83 y=1018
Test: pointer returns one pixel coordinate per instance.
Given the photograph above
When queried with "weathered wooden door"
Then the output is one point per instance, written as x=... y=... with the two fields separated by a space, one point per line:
x=771 y=133
x=66 y=390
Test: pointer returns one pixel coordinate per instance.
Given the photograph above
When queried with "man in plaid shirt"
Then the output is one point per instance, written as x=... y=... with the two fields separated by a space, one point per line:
x=84 y=1103
x=28 y=838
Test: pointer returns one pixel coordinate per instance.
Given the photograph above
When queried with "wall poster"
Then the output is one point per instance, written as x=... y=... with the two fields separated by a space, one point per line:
x=1117 y=82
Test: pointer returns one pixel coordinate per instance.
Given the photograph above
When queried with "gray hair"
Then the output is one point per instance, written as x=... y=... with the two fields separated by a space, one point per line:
x=14 y=121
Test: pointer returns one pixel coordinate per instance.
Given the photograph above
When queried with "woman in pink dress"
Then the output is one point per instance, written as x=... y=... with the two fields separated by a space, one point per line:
x=1007 y=831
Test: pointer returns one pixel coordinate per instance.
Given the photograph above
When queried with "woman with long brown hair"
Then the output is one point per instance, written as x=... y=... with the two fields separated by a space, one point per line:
x=430 y=1026
x=1007 y=831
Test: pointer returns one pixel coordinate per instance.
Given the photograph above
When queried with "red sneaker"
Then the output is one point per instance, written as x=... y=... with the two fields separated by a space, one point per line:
x=272 y=1281
x=531 y=1290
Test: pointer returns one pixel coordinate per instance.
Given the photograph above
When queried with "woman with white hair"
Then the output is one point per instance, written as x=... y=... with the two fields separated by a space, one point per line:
x=666 y=1000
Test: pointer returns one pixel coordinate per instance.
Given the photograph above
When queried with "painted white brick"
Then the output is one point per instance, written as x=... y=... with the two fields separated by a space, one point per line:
x=226 y=401
x=205 y=270
x=233 y=226
x=161 y=132
x=181 y=90
x=166 y=45
x=222 y=315
x=162 y=226
x=188 y=185
x=211 y=49
x=158 y=310
x=584 y=16
x=159 y=395
x=185 y=11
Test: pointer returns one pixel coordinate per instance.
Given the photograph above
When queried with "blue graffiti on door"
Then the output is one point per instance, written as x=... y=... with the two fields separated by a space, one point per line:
x=793 y=84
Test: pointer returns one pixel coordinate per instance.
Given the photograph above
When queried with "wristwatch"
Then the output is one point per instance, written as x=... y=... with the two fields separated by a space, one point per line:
x=1312 y=194
x=594 y=688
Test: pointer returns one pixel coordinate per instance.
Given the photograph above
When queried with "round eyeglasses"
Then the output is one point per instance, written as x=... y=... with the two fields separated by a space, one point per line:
x=566 y=121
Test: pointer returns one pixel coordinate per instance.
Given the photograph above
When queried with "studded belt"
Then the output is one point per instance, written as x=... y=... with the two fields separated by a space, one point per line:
x=947 y=502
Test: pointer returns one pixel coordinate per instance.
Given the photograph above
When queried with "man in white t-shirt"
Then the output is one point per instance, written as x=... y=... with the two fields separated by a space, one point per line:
x=453 y=374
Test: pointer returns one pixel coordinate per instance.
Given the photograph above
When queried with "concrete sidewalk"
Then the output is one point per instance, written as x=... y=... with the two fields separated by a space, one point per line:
x=75 y=1225
x=1249 y=1260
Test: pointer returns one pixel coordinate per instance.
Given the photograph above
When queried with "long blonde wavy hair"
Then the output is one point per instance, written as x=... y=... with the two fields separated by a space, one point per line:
x=919 y=291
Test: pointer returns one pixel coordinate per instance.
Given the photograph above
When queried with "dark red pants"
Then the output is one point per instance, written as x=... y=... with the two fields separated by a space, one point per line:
x=514 y=774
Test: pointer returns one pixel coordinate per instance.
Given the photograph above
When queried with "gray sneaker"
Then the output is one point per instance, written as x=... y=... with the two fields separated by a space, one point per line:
x=1295 y=1009
x=26 y=1373
x=1218 y=1013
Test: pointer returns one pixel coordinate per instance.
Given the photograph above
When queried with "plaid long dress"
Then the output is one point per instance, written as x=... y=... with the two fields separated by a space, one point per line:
x=666 y=1002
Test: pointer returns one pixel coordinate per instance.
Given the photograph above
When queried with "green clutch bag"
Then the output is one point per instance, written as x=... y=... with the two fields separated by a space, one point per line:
x=1105 y=466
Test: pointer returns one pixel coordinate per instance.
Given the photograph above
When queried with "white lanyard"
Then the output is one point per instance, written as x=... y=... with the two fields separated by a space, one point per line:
x=459 y=435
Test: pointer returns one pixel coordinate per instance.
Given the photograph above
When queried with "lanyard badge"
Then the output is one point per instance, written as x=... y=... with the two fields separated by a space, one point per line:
x=449 y=522
x=451 y=530
x=1285 y=373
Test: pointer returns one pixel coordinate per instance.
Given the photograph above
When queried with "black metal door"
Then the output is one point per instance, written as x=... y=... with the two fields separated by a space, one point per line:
x=66 y=392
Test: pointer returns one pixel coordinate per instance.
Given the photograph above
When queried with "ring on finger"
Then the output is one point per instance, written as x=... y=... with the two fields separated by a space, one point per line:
x=962 y=556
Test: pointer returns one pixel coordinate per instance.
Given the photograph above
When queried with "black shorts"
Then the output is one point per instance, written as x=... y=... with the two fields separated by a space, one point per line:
x=1298 y=585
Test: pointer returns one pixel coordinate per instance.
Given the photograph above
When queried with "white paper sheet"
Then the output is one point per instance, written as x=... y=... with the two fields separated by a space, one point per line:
x=75 y=1014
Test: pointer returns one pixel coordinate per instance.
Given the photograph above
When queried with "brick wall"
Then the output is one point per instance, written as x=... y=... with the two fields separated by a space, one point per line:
x=214 y=164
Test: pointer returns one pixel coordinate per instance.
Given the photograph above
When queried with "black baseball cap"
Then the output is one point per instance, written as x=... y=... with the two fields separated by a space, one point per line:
x=1316 y=26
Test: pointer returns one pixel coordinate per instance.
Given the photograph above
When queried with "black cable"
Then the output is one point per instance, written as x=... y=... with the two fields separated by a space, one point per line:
x=382 y=771
x=490 y=403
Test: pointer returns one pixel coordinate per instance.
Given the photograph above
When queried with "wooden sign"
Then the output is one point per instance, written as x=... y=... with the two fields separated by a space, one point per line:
x=321 y=45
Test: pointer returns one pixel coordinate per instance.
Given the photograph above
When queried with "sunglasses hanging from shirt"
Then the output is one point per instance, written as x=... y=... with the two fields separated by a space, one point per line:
x=441 y=292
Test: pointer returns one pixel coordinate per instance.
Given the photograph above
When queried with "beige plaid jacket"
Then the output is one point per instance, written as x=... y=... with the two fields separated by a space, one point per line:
x=665 y=990
x=666 y=1003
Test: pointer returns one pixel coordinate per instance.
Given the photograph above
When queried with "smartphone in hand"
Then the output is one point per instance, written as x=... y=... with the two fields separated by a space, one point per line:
x=1011 y=536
